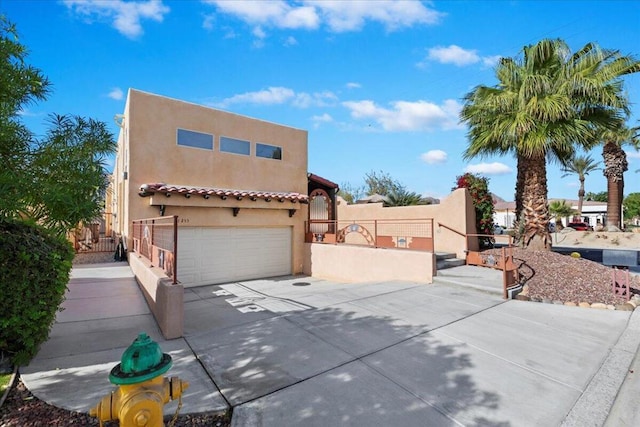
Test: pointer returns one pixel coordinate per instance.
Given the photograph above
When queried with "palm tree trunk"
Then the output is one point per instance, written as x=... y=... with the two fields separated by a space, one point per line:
x=613 y=210
x=534 y=204
x=615 y=161
x=580 y=198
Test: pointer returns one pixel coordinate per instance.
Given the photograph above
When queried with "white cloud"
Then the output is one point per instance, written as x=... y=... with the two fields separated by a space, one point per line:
x=458 y=56
x=25 y=112
x=408 y=116
x=633 y=154
x=343 y=16
x=494 y=168
x=353 y=85
x=434 y=157
x=270 y=96
x=208 y=22
x=278 y=13
x=290 y=41
x=281 y=95
x=337 y=16
x=490 y=61
x=116 y=93
x=125 y=17
x=323 y=118
x=453 y=55
x=318 y=120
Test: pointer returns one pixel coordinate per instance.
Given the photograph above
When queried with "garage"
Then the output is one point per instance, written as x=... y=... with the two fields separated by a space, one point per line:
x=208 y=256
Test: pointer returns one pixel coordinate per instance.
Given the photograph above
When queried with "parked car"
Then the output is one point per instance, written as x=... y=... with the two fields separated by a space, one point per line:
x=497 y=229
x=552 y=227
x=580 y=226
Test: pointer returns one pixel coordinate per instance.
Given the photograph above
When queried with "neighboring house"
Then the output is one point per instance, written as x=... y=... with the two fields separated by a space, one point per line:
x=592 y=212
x=238 y=185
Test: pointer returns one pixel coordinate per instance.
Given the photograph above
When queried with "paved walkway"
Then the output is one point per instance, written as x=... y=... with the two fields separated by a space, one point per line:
x=304 y=351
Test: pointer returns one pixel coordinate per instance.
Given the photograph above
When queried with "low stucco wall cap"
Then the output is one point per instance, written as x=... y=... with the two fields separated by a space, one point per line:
x=206 y=192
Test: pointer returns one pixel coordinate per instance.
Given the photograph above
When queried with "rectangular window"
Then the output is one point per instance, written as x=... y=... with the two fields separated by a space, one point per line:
x=189 y=138
x=235 y=146
x=269 y=151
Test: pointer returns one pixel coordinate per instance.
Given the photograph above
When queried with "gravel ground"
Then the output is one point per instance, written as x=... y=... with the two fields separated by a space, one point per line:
x=556 y=277
x=22 y=409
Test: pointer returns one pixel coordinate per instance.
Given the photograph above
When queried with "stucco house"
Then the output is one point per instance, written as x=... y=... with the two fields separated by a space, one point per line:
x=239 y=186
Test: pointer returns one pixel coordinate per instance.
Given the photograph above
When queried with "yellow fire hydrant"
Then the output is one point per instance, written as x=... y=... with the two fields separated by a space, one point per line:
x=142 y=392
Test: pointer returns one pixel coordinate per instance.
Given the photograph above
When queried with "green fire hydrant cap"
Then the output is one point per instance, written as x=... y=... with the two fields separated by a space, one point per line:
x=141 y=361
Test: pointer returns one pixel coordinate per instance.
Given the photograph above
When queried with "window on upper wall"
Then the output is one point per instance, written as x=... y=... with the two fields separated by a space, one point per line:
x=235 y=146
x=189 y=138
x=269 y=151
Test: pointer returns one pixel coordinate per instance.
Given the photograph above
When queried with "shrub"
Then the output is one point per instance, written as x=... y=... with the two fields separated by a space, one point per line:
x=478 y=187
x=34 y=272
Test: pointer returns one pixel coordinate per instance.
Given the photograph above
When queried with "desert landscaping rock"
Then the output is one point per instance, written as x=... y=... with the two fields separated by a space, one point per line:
x=584 y=305
x=599 y=306
x=570 y=304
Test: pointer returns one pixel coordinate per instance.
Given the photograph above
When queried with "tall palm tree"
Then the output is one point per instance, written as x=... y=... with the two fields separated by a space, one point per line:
x=581 y=166
x=615 y=165
x=544 y=106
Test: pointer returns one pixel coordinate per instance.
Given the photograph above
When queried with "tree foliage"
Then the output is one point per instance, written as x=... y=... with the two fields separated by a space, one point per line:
x=34 y=271
x=382 y=183
x=546 y=104
x=350 y=193
x=478 y=187
x=596 y=197
x=580 y=166
x=404 y=198
x=57 y=180
x=632 y=206
x=560 y=209
x=47 y=186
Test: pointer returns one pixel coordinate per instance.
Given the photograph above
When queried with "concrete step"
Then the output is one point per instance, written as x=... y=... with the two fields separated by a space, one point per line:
x=444 y=255
x=442 y=264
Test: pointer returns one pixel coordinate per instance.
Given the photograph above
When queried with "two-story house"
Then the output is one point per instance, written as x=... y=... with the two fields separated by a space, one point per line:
x=238 y=185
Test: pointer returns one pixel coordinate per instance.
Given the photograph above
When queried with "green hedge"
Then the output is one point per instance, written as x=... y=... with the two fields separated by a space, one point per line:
x=34 y=272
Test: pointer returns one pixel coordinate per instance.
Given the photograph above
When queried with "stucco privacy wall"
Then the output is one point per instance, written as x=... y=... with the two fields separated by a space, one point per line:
x=455 y=211
x=148 y=153
x=347 y=263
x=165 y=299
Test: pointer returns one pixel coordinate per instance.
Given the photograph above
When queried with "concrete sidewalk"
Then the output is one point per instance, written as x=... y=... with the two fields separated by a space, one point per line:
x=303 y=351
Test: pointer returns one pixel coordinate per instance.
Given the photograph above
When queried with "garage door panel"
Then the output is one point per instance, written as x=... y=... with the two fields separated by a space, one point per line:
x=218 y=255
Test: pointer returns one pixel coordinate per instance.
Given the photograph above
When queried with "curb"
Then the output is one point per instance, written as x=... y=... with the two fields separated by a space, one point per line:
x=9 y=386
x=593 y=406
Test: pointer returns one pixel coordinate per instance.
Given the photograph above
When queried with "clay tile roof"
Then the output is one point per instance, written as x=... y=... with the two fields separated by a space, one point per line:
x=159 y=187
x=320 y=180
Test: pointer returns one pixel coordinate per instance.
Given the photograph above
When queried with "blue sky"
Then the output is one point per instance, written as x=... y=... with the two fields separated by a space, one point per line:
x=377 y=84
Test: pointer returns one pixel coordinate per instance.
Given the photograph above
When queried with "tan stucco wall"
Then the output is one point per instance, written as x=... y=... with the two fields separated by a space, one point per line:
x=455 y=211
x=347 y=263
x=165 y=300
x=148 y=153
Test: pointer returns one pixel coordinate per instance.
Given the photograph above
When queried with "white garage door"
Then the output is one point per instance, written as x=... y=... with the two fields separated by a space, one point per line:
x=217 y=255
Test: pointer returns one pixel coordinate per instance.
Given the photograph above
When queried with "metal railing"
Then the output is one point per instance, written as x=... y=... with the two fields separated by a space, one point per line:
x=414 y=234
x=156 y=239
x=95 y=237
x=502 y=260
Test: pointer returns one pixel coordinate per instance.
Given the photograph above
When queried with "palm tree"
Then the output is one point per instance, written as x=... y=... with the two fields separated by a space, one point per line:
x=581 y=166
x=615 y=165
x=544 y=106
x=403 y=197
x=560 y=209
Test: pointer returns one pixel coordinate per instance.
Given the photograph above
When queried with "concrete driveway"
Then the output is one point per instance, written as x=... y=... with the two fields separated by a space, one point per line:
x=303 y=351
